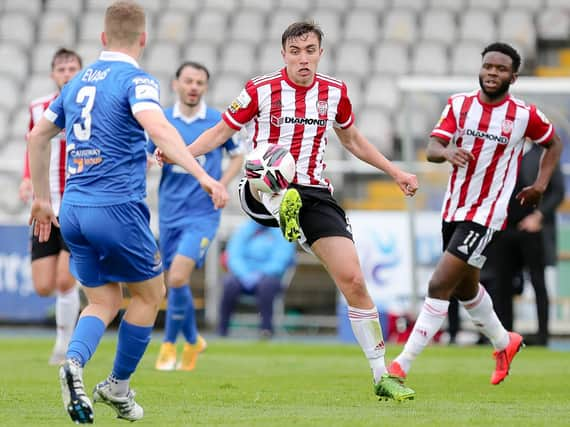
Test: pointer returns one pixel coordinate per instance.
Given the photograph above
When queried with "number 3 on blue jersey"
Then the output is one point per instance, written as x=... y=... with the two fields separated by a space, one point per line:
x=86 y=95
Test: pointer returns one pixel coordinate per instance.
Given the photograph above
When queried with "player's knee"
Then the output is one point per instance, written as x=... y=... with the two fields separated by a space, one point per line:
x=43 y=289
x=65 y=284
x=175 y=279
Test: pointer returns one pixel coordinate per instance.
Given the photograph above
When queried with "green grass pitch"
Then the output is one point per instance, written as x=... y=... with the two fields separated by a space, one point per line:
x=246 y=383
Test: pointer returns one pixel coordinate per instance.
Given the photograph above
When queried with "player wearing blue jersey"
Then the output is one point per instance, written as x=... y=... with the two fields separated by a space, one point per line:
x=188 y=220
x=105 y=111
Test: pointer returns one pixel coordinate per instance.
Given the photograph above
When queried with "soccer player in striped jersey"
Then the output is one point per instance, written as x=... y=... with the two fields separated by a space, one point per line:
x=481 y=134
x=50 y=260
x=294 y=107
x=188 y=220
x=106 y=111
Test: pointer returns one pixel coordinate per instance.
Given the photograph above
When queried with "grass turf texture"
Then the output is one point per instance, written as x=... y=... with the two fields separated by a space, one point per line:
x=244 y=383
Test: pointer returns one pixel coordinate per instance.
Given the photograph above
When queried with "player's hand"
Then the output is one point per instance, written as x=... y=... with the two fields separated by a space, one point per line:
x=529 y=196
x=41 y=218
x=458 y=156
x=25 y=190
x=408 y=183
x=532 y=223
x=216 y=190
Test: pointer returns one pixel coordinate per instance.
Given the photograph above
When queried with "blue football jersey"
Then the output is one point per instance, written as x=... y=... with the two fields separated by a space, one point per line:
x=181 y=198
x=106 y=157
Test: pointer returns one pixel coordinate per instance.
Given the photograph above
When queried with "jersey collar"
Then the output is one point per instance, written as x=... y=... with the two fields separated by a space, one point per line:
x=108 y=55
x=177 y=114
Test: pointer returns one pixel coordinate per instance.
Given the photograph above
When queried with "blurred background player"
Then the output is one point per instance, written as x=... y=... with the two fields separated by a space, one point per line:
x=188 y=220
x=482 y=135
x=104 y=219
x=294 y=107
x=50 y=260
x=257 y=259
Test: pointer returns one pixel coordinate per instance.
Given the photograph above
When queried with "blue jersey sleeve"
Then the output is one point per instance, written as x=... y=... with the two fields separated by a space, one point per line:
x=55 y=113
x=144 y=93
x=234 y=146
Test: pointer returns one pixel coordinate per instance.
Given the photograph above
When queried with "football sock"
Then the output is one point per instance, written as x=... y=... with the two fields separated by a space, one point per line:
x=132 y=343
x=429 y=321
x=366 y=327
x=66 y=313
x=480 y=310
x=119 y=388
x=85 y=339
x=189 y=328
x=178 y=300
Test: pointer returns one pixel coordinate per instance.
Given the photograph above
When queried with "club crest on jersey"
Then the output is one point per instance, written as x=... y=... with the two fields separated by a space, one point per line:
x=322 y=108
x=507 y=126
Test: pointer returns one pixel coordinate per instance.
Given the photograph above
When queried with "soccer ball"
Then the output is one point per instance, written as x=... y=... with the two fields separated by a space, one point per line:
x=269 y=168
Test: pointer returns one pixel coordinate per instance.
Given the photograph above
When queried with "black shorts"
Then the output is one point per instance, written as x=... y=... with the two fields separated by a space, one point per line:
x=53 y=246
x=468 y=241
x=320 y=216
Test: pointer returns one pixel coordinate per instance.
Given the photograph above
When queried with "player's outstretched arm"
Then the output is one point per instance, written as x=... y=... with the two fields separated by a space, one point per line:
x=211 y=138
x=168 y=140
x=353 y=140
x=39 y=147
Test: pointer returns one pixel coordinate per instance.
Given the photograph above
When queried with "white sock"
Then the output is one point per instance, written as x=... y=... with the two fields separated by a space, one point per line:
x=119 y=388
x=480 y=309
x=66 y=313
x=366 y=327
x=429 y=321
x=272 y=202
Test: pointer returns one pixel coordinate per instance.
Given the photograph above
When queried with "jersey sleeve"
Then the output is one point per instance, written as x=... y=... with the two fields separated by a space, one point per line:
x=539 y=128
x=447 y=124
x=144 y=93
x=243 y=108
x=55 y=113
x=344 y=115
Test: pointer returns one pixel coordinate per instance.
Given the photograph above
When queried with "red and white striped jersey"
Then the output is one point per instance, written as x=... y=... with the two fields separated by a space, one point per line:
x=274 y=110
x=495 y=135
x=57 y=169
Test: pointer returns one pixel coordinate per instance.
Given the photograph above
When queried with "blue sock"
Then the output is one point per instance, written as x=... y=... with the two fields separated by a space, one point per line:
x=85 y=339
x=178 y=299
x=132 y=343
x=189 y=328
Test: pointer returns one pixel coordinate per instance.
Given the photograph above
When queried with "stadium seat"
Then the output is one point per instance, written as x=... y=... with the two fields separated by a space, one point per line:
x=57 y=27
x=330 y=22
x=530 y=5
x=19 y=123
x=297 y=6
x=17 y=27
x=477 y=25
x=209 y=25
x=553 y=25
x=258 y=5
x=438 y=25
x=382 y=91
x=172 y=26
x=354 y=88
x=391 y=58
x=247 y=25
x=90 y=26
x=361 y=26
x=204 y=53
x=73 y=8
x=12 y=153
x=38 y=85
x=417 y=5
x=33 y=8
x=224 y=90
x=557 y=4
x=337 y=6
x=376 y=125
x=227 y=6
x=41 y=55
x=238 y=57
x=327 y=62
x=13 y=62
x=186 y=6
x=161 y=58
x=10 y=203
x=374 y=6
x=278 y=21
x=430 y=58
x=454 y=6
x=466 y=58
x=89 y=51
x=516 y=26
x=400 y=26
x=269 y=59
x=352 y=58
x=167 y=96
x=417 y=124
x=488 y=5
x=3 y=125
x=9 y=88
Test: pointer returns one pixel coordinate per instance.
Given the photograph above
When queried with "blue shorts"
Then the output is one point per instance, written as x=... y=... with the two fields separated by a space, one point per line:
x=191 y=240
x=110 y=243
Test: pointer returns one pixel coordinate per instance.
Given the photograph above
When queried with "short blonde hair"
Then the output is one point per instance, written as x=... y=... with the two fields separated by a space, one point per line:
x=124 y=22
